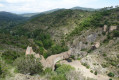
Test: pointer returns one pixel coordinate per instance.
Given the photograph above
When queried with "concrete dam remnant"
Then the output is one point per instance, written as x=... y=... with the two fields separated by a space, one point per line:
x=51 y=60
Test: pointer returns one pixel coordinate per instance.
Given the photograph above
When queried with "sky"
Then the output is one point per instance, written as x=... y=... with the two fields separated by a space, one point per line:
x=32 y=6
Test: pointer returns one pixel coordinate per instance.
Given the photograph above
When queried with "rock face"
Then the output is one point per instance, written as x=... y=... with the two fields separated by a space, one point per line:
x=29 y=50
x=113 y=28
x=91 y=37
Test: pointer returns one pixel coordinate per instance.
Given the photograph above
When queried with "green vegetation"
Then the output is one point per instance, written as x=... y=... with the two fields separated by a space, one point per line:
x=97 y=19
x=104 y=54
x=104 y=65
x=95 y=73
x=47 y=71
x=28 y=64
x=64 y=69
x=91 y=71
x=59 y=73
x=58 y=77
x=3 y=70
x=48 y=35
x=10 y=56
x=111 y=74
x=116 y=33
x=85 y=64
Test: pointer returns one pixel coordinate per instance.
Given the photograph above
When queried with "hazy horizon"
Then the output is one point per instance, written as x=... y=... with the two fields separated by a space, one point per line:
x=33 y=6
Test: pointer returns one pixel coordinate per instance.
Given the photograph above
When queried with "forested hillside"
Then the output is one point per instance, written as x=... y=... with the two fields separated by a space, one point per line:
x=92 y=36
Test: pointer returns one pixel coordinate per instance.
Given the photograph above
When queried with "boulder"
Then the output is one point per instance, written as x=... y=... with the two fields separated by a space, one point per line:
x=96 y=45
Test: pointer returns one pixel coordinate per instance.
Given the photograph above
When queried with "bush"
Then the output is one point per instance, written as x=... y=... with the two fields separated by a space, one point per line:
x=47 y=71
x=55 y=49
x=111 y=74
x=116 y=33
x=0 y=70
x=28 y=64
x=58 y=77
x=91 y=71
x=85 y=64
x=3 y=70
x=10 y=56
x=104 y=55
x=105 y=65
x=64 y=69
x=95 y=73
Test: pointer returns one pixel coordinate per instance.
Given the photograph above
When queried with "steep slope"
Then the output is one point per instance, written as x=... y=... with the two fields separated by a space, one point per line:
x=57 y=24
x=95 y=42
x=93 y=38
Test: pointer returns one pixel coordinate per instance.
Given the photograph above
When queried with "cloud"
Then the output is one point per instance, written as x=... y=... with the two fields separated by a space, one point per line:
x=1 y=5
x=18 y=1
x=23 y=6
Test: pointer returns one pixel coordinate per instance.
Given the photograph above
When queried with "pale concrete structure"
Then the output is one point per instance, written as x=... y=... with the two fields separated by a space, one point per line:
x=51 y=60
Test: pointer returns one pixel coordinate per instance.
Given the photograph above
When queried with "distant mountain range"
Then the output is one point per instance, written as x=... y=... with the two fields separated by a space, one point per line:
x=83 y=8
x=50 y=11
x=7 y=17
x=33 y=14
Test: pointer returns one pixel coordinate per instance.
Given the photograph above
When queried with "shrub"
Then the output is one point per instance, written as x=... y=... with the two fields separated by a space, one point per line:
x=0 y=70
x=72 y=56
x=47 y=71
x=64 y=69
x=28 y=64
x=58 y=49
x=78 y=58
x=104 y=55
x=85 y=64
x=95 y=73
x=111 y=74
x=116 y=33
x=89 y=51
x=58 y=77
x=10 y=56
x=3 y=70
x=91 y=71
x=104 y=65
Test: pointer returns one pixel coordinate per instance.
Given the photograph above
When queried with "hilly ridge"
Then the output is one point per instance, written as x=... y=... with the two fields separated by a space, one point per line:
x=81 y=31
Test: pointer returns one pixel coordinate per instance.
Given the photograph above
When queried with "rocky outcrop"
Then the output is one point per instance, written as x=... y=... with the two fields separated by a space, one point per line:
x=91 y=37
x=29 y=50
x=51 y=60
x=105 y=28
x=112 y=28
x=96 y=45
